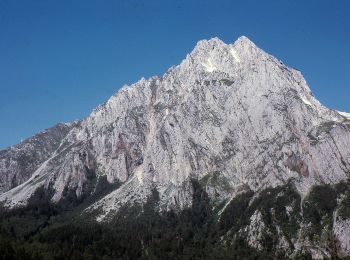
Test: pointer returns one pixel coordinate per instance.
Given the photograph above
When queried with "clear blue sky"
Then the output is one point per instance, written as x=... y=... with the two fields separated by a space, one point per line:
x=60 y=59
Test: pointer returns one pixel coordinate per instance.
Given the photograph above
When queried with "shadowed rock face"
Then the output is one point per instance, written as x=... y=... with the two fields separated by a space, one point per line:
x=17 y=163
x=230 y=115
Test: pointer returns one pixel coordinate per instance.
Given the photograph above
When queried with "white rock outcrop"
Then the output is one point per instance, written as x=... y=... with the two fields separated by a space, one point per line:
x=229 y=110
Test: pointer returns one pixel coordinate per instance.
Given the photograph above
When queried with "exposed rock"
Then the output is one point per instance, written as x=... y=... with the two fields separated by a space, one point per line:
x=18 y=163
x=341 y=230
x=256 y=231
x=227 y=109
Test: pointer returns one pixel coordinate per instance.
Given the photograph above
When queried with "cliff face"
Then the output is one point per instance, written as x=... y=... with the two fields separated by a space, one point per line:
x=18 y=163
x=230 y=116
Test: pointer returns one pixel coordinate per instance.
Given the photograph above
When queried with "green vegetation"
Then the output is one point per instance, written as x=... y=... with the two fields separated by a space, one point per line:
x=318 y=209
x=135 y=233
x=43 y=230
x=343 y=190
x=237 y=213
x=280 y=209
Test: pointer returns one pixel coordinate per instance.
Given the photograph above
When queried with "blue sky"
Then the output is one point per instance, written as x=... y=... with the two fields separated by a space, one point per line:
x=60 y=59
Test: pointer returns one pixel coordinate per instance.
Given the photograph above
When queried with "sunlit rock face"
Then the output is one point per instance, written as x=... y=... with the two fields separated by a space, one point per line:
x=230 y=116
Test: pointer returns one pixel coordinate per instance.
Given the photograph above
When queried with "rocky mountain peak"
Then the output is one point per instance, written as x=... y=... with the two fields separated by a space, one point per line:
x=229 y=112
x=245 y=43
x=243 y=46
x=229 y=121
x=247 y=49
x=215 y=56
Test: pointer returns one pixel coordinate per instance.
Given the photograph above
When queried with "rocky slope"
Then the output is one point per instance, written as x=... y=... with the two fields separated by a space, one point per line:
x=230 y=116
x=18 y=163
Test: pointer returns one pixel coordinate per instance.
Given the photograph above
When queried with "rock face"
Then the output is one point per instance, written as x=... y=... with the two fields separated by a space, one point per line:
x=341 y=231
x=18 y=163
x=230 y=115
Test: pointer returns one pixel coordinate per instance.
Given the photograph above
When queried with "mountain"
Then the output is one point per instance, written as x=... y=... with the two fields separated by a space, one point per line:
x=18 y=163
x=230 y=121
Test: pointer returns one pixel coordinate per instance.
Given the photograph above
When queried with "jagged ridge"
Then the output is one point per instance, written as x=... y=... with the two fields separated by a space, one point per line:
x=230 y=116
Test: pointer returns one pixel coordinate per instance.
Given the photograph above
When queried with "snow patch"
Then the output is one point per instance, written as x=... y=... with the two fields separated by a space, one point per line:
x=306 y=101
x=235 y=55
x=209 y=66
x=139 y=174
x=166 y=114
x=344 y=114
